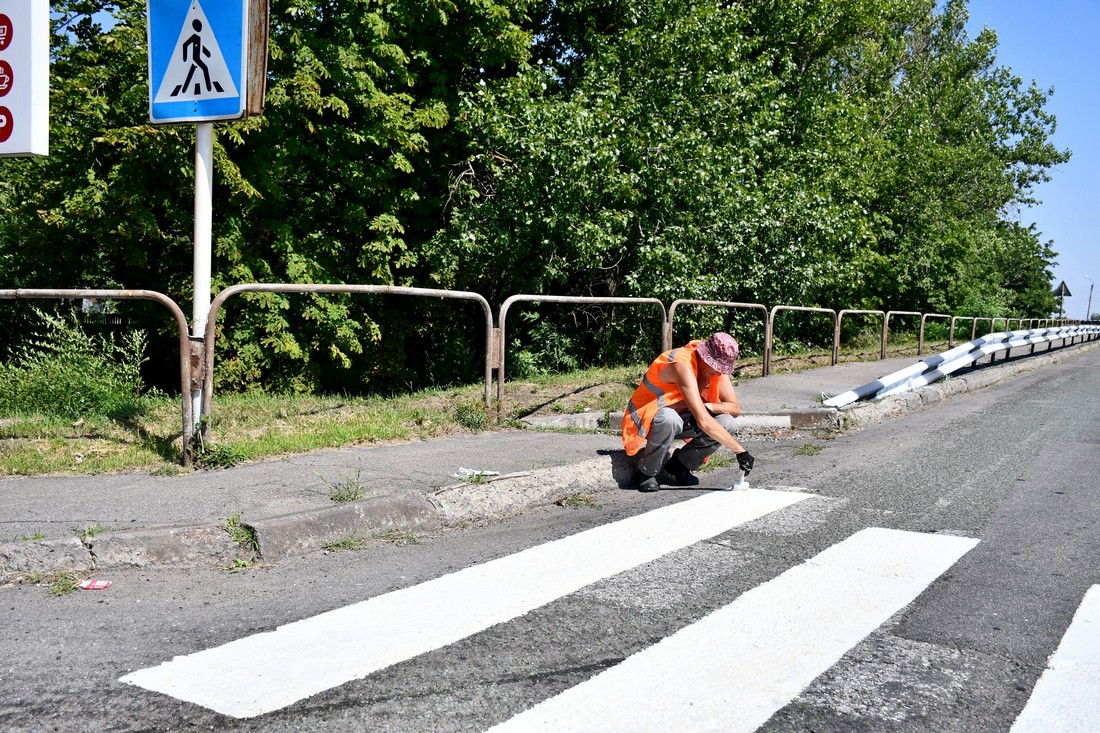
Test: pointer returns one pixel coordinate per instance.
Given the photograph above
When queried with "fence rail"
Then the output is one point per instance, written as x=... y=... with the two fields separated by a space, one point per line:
x=197 y=355
x=712 y=303
x=187 y=353
x=508 y=303
x=223 y=296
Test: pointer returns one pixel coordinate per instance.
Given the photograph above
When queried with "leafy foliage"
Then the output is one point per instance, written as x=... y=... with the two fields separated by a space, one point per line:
x=856 y=153
x=859 y=154
x=65 y=372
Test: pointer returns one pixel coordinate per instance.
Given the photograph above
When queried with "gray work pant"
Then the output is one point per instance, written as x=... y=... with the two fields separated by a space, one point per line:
x=670 y=424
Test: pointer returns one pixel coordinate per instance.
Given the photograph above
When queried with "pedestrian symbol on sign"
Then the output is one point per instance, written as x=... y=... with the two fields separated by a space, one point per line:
x=197 y=51
x=197 y=70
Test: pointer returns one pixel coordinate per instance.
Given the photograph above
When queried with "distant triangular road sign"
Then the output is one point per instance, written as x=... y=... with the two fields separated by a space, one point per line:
x=197 y=70
x=1062 y=290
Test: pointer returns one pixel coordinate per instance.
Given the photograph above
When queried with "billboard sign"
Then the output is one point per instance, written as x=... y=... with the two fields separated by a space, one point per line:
x=24 y=77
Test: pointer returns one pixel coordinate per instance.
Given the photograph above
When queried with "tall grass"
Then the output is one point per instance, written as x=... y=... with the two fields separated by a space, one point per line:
x=64 y=372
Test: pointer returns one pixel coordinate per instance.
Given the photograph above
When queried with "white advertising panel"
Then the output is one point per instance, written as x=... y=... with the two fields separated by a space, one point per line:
x=24 y=77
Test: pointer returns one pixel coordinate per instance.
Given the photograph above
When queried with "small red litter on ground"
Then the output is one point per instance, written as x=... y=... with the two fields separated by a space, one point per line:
x=93 y=584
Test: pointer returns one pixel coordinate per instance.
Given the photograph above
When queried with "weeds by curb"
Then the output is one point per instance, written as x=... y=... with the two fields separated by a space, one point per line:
x=245 y=537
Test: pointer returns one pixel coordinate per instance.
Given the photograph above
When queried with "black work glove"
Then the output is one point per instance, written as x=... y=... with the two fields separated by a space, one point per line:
x=745 y=462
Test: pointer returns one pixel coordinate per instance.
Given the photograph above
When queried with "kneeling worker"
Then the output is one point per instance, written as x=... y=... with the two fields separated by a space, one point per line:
x=685 y=394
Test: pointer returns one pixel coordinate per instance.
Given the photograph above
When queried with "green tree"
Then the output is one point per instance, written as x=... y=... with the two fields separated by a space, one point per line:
x=336 y=182
x=813 y=152
x=864 y=153
x=969 y=145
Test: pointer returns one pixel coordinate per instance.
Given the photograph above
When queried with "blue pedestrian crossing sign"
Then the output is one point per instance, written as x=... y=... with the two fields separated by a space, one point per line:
x=198 y=60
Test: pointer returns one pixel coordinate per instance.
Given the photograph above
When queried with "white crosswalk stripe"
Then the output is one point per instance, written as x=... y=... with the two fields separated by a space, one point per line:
x=729 y=671
x=1067 y=696
x=269 y=671
x=733 y=669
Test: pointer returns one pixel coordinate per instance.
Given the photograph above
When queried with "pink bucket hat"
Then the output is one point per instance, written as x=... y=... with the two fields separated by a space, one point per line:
x=720 y=351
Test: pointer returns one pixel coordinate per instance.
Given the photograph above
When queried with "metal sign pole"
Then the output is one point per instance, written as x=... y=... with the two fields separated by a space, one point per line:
x=205 y=64
x=204 y=191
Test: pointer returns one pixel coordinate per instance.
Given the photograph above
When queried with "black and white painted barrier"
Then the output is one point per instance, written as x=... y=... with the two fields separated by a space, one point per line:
x=939 y=366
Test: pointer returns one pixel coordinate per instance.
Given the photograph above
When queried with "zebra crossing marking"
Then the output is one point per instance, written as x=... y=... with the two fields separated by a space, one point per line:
x=268 y=671
x=733 y=669
x=1067 y=696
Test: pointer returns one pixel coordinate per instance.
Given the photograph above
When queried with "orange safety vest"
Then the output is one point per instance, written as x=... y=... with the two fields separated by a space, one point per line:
x=653 y=394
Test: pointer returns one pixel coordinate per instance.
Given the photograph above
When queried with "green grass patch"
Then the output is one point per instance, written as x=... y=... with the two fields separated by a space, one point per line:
x=722 y=459
x=400 y=537
x=350 y=544
x=244 y=536
x=93 y=530
x=257 y=426
x=64 y=372
x=57 y=583
x=809 y=449
x=245 y=427
x=210 y=456
x=347 y=489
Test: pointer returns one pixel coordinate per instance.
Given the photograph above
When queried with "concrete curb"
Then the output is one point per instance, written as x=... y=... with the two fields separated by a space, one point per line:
x=164 y=547
x=295 y=534
x=451 y=506
x=508 y=495
x=32 y=557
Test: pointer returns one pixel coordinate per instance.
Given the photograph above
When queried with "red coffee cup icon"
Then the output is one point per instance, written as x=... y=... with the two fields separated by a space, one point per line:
x=7 y=123
x=6 y=78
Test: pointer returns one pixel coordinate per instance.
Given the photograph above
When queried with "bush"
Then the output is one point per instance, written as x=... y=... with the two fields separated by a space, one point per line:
x=65 y=372
x=551 y=351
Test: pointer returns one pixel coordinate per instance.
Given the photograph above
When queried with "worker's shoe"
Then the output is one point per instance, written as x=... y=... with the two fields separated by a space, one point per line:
x=677 y=474
x=647 y=483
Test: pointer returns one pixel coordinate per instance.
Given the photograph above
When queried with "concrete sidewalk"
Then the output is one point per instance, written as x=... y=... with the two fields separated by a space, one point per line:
x=80 y=523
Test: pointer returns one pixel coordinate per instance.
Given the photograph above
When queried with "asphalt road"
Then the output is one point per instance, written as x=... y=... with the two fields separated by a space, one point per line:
x=1011 y=466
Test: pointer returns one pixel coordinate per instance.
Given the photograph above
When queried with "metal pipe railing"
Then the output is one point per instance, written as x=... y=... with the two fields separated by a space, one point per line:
x=224 y=295
x=974 y=327
x=197 y=355
x=923 y=320
x=502 y=341
x=715 y=303
x=769 y=331
x=839 y=322
x=886 y=328
x=186 y=373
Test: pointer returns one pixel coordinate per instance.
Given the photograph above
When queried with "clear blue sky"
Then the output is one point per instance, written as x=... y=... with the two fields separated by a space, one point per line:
x=1055 y=44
